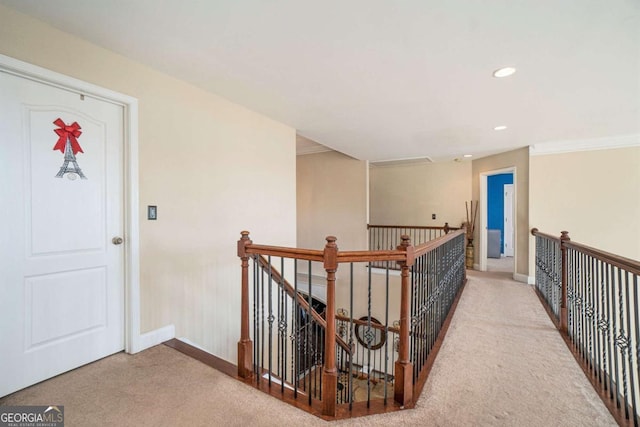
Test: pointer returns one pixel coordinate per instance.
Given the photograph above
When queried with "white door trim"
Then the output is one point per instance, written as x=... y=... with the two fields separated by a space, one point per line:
x=482 y=249
x=134 y=340
x=508 y=215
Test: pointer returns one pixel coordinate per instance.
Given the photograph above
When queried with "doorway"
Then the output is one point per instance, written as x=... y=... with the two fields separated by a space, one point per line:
x=497 y=237
x=69 y=241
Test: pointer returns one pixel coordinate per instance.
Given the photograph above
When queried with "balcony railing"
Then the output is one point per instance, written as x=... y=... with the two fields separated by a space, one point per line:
x=383 y=237
x=594 y=299
x=301 y=341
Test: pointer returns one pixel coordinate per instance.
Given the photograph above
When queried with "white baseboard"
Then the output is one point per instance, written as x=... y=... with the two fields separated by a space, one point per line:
x=151 y=338
x=529 y=280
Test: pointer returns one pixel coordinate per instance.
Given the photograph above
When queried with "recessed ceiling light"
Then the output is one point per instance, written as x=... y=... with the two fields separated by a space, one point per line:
x=468 y=155
x=504 y=72
x=499 y=128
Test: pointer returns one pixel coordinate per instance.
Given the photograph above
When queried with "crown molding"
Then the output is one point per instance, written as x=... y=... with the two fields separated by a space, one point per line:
x=570 y=146
x=312 y=150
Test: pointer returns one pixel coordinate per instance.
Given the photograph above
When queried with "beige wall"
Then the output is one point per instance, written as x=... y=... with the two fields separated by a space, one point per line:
x=595 y=195
x=409 y=194
x=331 y=200
x=213 y=168
x=518 y=159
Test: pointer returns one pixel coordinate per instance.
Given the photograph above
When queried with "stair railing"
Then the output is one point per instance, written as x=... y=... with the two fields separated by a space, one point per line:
x=287 y=326
x=593 y=297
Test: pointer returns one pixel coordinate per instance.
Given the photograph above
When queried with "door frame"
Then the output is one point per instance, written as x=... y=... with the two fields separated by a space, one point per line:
x=510 y=214
x=134 y=341
x=482 y=234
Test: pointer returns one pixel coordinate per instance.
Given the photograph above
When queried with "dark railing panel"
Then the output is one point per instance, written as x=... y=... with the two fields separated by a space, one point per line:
x=436 y=278
x=387 y=237
x=548 y=272
x=288 y=330
x=603 y=325
x=602 y=316
x=370 y=374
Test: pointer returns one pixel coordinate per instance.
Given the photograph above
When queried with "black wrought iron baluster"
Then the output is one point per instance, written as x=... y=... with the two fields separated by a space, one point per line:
x=580 y=300
x=270 y=319
x=611 y=330
x=256 y=319
x=368 y=338
x=586 y=328
x=636 y=308
x=557 y=276
x=308 y=331
x=295 y=349
x=597 y=353
x=549 y=262
x=319 y=358
x=283 y=327
x=421 y=316
x=386 y=332
x=279 y=293
x=606 y=328
x=571 y=308
x=589 y=313
x=263 y=321
x=432 y=295
x=415 y=320
x=351 y=345
x=622 y=341
x=426 y=266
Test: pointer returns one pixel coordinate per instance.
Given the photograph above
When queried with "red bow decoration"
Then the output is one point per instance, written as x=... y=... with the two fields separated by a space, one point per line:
x=71 y=132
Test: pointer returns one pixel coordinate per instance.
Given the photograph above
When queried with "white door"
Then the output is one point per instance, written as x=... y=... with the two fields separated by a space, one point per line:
x=508 y=220
x=61 y=276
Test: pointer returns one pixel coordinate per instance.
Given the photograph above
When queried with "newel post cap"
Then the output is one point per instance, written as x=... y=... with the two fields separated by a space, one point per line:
x=242 y=243
x=331 y=254
x=405 y=245
x=405 y=242
x=564 y=235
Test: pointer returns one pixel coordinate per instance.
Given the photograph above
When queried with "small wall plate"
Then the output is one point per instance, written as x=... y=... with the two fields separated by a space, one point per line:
x=152 y=212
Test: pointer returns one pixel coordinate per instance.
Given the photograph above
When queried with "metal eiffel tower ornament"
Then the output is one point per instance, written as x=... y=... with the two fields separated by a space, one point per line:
x=70 y=166
x=68 y=144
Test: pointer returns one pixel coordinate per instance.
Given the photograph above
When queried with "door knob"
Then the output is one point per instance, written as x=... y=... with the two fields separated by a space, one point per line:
x=117 y=240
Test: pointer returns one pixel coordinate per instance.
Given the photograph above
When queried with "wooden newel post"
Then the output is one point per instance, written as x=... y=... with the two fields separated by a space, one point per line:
x=330 y=373
x=564 y=315
x=403 y=387
x=245 y=345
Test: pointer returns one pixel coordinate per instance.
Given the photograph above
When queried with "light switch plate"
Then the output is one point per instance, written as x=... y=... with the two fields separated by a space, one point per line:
x=152 y=212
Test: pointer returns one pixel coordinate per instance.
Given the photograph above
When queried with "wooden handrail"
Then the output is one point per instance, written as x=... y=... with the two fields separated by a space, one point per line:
x=535 y=232
x=370 y=256
x=349 y=256
x=631 y=265
x=285 y=252
x=432 y=244
x=419 y=227
x=628 y=264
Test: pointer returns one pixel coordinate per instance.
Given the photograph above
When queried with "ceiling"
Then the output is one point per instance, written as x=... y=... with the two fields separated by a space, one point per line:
x=388 y=80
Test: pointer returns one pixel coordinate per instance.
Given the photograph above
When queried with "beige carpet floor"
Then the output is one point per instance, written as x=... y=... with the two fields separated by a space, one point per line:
x=502 y=364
